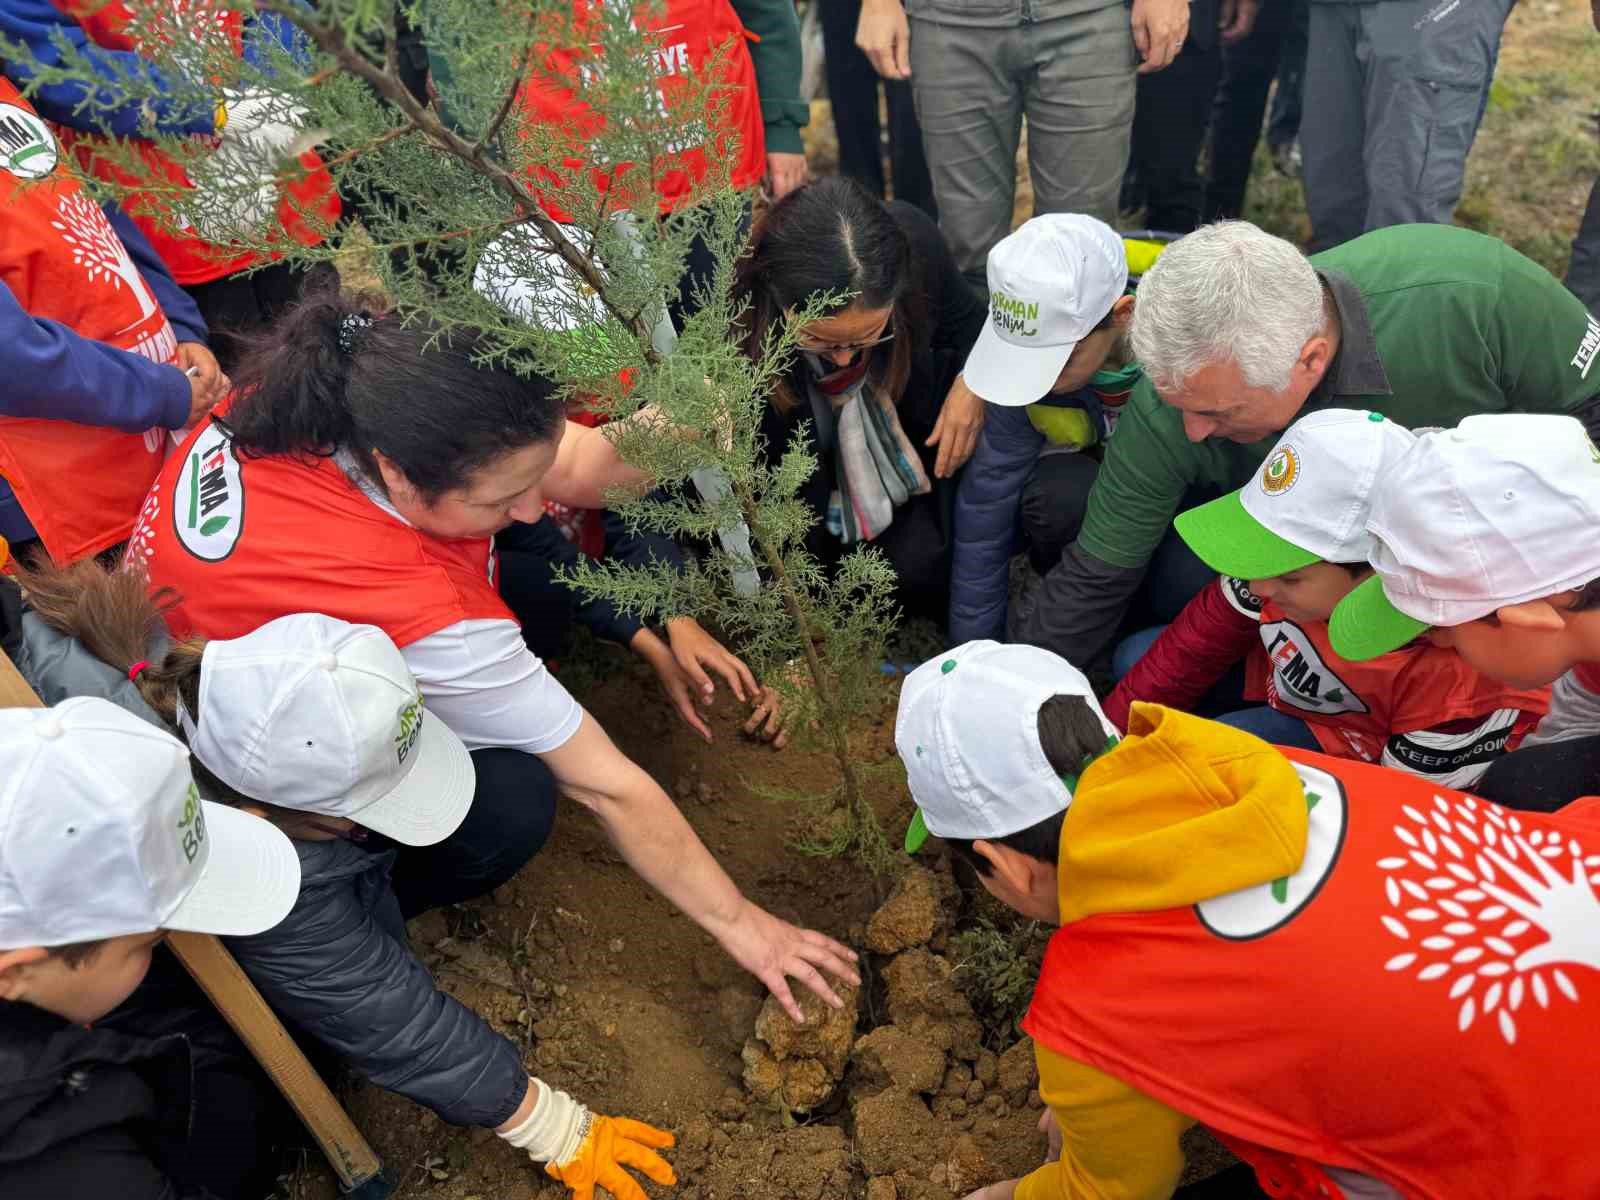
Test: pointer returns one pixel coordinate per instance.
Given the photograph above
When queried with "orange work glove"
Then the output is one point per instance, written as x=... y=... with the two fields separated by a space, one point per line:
x=611 y=1144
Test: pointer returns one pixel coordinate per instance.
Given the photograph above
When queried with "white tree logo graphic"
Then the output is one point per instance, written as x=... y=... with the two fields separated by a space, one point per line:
x=99 y=251
x=1472 y=892
x=142 y=542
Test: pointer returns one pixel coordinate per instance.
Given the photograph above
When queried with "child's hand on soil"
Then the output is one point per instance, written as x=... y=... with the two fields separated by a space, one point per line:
x=683 y=664
x=611 y=1144
x=766 y=722
x=772 y=950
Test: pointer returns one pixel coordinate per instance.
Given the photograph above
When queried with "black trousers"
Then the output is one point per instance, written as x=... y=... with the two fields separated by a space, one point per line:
x=1544 y=778
x=237 y=1120
x=513 y=811
x=1169 y=125
x=1275 y=48
x=1583 y=273
x=238 y=307
x=1236 y=1183
x=853 y=90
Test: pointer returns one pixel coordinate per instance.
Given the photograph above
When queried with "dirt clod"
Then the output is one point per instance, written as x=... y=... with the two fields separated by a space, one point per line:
x=1018 y=1073
x=882 y=1188
x=987 y=1069
x=921 y=985
x=796 y=1066
x=890 y=1057
x=896 y=1132
x=910 y=916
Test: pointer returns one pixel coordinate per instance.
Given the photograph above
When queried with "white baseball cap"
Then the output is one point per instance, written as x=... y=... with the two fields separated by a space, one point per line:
x=1308 y=503
x=1501 y=510
x=322 y=716
x=1050 y=283
x=103 y=834
x=968 y=733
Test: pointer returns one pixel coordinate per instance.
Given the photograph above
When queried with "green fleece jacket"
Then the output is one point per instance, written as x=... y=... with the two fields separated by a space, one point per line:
x=776 y=58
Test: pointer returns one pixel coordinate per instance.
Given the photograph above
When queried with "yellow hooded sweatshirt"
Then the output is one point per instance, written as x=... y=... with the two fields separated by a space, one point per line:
x=1182 y=810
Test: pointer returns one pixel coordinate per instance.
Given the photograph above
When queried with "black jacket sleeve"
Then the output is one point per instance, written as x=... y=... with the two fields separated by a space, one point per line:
x=1076 y=609
x=335 y=969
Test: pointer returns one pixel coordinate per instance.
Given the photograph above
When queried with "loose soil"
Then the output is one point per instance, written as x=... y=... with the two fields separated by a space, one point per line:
x=621 y=1001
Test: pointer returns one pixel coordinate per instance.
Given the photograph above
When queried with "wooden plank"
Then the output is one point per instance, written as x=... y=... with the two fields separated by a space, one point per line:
x=236 y=998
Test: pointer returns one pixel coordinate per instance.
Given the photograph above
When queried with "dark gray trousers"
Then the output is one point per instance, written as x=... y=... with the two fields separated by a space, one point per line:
x=1394 y=92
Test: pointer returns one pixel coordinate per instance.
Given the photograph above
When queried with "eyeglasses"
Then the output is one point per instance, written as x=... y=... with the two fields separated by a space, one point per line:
x=850 y=348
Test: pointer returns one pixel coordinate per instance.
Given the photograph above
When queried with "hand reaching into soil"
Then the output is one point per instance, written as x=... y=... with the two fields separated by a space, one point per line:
x=773 y=950
x=996 y=1191
x=685 y=663
x=614 y=1143
x=583 y=1149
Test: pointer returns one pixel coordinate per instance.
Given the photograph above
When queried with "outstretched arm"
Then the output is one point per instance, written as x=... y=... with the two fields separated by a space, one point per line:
x=659 y=844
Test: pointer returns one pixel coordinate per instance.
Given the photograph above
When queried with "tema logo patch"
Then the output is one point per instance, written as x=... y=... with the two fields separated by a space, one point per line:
x=27 y=147
x=1281 y=471
x=1253 y=912
x=208 y=499
x=1300 y=676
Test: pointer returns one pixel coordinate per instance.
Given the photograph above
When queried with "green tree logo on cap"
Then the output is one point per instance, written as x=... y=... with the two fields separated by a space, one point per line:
x=410 y=727
x=1281 y=471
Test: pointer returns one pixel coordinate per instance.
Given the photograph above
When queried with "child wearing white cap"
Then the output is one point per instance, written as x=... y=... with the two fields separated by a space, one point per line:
x=1266 y=943
x=318 y=724
x=1058 y=310
x=1290 y=545
x=105 y=845
x=1487 y=540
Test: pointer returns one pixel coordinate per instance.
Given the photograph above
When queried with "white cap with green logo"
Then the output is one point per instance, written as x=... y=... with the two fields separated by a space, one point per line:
x=103 y=834
x=968 y=732
x=1308 y=503
x=1050 y=283
x=322 y=716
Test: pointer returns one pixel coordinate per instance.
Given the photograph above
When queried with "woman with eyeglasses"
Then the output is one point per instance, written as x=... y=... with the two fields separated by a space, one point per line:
x=871 y=375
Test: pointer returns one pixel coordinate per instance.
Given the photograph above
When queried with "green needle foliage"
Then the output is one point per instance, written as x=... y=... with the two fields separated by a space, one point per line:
x=434 y=184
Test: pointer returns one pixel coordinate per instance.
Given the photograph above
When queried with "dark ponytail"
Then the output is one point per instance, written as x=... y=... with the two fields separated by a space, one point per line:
x=115 y=618
x=337 y=373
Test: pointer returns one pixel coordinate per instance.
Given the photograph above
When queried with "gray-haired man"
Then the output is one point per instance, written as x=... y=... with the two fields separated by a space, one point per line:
x=1239 y=334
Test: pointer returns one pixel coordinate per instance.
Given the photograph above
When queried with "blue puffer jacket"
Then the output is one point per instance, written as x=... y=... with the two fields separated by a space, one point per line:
x=987 y=499
x=338 y=967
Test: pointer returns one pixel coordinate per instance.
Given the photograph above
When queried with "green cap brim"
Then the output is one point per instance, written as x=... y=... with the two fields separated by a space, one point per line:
x=1366 y=624
x=1232 y=542
x=916 y=833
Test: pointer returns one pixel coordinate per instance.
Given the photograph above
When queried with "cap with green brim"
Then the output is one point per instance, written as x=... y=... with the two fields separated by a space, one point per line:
x=1308 y=503
x=1231 y=542
x=1367 y=624
x=916 y=833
